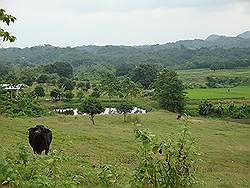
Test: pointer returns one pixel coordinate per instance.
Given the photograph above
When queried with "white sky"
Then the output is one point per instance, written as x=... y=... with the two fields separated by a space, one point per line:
x=127 y=22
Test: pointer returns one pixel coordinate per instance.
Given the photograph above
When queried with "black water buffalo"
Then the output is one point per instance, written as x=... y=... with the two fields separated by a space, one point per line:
x=40 y=138
x=178 y=117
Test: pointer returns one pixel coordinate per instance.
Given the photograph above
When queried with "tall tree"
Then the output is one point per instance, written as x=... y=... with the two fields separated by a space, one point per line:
x=6 y=18
x=169 y=91
x=39 y=91
x=128 y=88
x=92 y=107
x=110 y=86
x=145 y=74
x=125 y=108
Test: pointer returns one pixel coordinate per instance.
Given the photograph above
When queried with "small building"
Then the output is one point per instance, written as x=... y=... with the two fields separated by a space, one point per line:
x=12 y=87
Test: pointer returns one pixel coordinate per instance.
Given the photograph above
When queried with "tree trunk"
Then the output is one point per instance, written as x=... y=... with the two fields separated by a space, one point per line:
x=124 y=117
x=92 y=119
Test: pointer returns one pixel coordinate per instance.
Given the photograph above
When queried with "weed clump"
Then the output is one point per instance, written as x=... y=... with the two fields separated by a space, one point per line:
x=168 y=163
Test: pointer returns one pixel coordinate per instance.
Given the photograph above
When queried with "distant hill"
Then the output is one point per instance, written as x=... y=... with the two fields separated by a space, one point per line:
x=245 y=35
x=229 y=52
x=214 y=41
x=213 y=37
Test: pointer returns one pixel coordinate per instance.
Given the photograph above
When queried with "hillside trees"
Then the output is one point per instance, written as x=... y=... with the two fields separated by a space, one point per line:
x=145 y=74
x=110 y=86
x=66 y=83
x=63 y=69
x=4 y=69
x=169 y=91
x=84 y=85
x=128 y=88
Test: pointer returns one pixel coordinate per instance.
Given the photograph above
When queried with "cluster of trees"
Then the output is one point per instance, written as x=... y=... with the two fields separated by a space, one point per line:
x=24 y=104
x=229 y=110
x=122 y=59
x=218 y=82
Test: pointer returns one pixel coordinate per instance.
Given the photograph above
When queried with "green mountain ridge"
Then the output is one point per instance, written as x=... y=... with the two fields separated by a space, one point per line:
x=229 y=52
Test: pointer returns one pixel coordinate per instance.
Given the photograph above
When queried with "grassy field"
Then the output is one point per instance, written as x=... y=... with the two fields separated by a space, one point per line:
x=199 y=75
x=224 y=147
x=240 y=92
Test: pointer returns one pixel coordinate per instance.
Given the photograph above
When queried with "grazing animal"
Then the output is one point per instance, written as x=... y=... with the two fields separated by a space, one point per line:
x=178 y=117
x=40 y=138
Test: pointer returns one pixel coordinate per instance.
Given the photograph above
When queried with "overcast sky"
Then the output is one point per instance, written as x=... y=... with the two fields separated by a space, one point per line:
x=126 y=22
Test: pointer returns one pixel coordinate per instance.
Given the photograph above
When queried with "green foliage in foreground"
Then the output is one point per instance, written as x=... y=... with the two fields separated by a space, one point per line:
x=168 y=163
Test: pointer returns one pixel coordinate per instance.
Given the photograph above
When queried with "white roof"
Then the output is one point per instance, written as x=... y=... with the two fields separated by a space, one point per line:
x=11 y=86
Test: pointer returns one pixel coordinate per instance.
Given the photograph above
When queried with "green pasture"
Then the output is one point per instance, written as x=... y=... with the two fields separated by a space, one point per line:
x=224 y=147
x=199 y=75
x=240 y=92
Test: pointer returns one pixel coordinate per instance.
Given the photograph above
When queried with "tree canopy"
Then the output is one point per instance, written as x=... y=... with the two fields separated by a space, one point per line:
x=169 y=91
x=125 y=108
x=92 y=107
x=63 y=69
x=145 y=74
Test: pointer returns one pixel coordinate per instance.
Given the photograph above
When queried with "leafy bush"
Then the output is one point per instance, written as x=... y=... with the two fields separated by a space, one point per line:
x=69 y=95
x=23 y=104
x=108 y=175
x=24 y=170
x=228 y=110
x=217 y=82
x=166 y=163
x=205 y=107
x=39 y=91
x=169 y=91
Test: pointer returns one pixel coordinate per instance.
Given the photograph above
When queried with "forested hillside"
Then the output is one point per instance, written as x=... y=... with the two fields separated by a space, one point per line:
x=217 y=52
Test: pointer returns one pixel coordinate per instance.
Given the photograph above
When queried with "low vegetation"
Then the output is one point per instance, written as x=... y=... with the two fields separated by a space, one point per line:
x=108 y=154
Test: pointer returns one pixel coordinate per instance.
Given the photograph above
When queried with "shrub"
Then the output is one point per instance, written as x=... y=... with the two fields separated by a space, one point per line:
x=167 y=163
x=205 y=107
x=108 y=175
x=24 y=170
x=26 y=105
x=39 y=91
x=69 y=95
